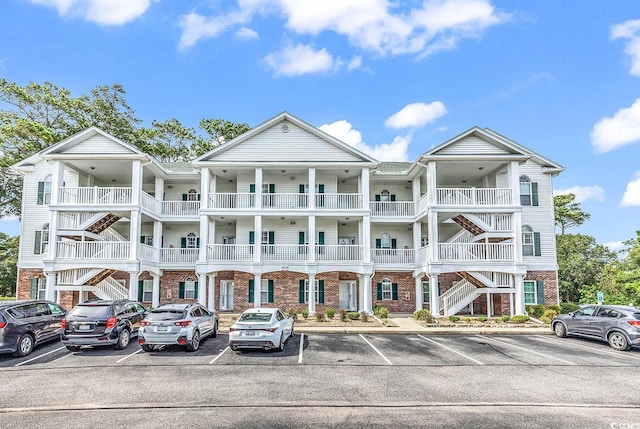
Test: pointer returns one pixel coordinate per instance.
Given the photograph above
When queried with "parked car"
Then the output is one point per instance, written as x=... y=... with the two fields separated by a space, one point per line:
x=25 y=324
x=182 y=324
x=618 y=325
x=101 y=322
x=261 y=328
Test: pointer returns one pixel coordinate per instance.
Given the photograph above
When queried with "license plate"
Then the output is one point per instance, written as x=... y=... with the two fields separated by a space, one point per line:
x=84 y=328
x=249 y=333
x=162 y=328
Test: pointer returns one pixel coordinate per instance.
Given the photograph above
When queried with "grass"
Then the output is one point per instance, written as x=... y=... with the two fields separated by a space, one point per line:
x=7 y=298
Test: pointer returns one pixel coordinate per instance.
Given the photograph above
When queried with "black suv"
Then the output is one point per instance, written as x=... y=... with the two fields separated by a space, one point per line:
x=25 y=324
x=100 y=322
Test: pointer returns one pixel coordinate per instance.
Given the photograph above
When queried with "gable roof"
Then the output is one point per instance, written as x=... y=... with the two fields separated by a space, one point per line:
x=76 y=144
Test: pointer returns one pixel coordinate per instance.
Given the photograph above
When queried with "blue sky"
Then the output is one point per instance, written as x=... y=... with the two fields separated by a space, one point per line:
x=393 y=78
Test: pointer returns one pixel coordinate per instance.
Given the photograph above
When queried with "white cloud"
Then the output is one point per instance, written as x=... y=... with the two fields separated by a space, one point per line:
x=583 y=193
x=394 y=151
x=355 y=63
x=615 y=246
x=620 y=130
x=246 y=33
x=103 y=12
x=630 y=30
x=9 y=219
x=416 y=115
x=373 y=25
x=631 y=196
x=299 y=60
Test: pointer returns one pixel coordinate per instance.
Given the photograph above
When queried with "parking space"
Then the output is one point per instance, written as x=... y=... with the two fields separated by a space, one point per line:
x=353 y=349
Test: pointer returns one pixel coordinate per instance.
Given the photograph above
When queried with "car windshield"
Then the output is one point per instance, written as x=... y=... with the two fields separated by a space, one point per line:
x=255 y=317
x=91 y=311
x=162 y=315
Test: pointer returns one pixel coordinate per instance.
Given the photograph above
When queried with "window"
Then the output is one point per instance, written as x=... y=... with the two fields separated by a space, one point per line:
x=385 y=196
x=387 y=289
x=586 y=311
x=528 y=192
x=192 y=195
x=147 y=290
x=44 y=191
x=190 y=288
x=192 y=242
x=42 y=288
x=529 y=292
x=385 y=241
x=264 y=290
x=42 y=240
x=608 y=312
x=530 y=242
x=425 y=292
x=306 y=291
x=146 y=239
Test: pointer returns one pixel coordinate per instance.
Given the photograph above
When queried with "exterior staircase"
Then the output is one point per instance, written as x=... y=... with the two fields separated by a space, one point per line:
x=483 y=226
x=471 y=287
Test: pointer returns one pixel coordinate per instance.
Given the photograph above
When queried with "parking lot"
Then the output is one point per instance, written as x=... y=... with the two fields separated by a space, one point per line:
x=354 y=350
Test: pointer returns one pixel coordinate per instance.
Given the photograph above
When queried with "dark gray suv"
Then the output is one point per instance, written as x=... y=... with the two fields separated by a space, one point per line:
x=100 y=322
x=25 y=324
x=619 y=325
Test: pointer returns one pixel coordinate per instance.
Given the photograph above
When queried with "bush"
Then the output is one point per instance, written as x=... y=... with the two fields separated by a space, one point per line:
x=506 y=318
x=330 y=312
x=423 y=315
x=520 y=319
x=305 y=313
x=291 y=312
x=320 y=317
x=536 y=310
x=568 y=307
x=467 y=319
x=482 y=318
x=364 y=316
x=381 y=312
x=353 y=315
x=548 y=315
x=343 y=316
x=453 y=318
x=555 y=308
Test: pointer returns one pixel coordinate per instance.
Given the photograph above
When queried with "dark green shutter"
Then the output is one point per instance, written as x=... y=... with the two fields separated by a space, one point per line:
x=301 y=237
x=378 y=243
x=181 y=290
x=272 y=188
x=379 y=291
x=394 y=243
x=183 y=242
x=198 y=242
x=140 y=289
x=377 y=197
x=198 y=197
x=142 y=239
x=195 y=291
x=251 y=289
x=37 y=246
x=301 y=188
x=33 y=292
x=272 y=237
x=394 y=291
x=270 y=298
x=534 y=194
x=252 y=237
x=321 y=291
x=540 y=291
x=321 y=189
x=321 y=237
x=184 y=197
x=393 y=197
x=252 y=188
x=301 y=292
x=40 y=193
x=536 y=244
x=438 y=288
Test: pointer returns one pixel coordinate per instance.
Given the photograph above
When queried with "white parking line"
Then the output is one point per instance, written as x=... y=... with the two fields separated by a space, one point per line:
x=301 y=348
x=377 y=351
x=451 y=350
x=128 y=356
x=38 y=357
x=574 y=342
x=219 y=354
x=527 y=350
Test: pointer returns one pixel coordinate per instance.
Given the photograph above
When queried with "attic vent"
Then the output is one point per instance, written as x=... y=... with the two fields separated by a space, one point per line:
x=285 y=128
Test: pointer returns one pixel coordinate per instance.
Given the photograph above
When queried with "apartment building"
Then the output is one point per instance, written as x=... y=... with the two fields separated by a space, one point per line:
x=286 y=215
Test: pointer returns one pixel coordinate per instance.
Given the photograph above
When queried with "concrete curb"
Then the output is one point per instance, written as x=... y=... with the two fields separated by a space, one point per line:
x=422 y=331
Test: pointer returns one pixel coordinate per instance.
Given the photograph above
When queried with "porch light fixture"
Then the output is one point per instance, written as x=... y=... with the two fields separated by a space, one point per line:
x=92 y=167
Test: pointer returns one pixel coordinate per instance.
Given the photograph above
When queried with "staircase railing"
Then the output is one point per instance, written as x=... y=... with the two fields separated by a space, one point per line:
x=112 y=288
x=461 y=291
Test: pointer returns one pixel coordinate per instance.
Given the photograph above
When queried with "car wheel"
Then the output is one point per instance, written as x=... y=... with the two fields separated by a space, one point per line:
x=281 y=345
x=215 y=330
x=147 y=348
x=195 y=342
x=560 y=330
x=73 y=348
x=25 y=345
x=618 y=341
x=123 y=339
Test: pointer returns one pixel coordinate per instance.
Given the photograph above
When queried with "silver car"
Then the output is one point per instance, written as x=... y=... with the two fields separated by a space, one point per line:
x=618 y=325
x=261 y=328
x=181 y=324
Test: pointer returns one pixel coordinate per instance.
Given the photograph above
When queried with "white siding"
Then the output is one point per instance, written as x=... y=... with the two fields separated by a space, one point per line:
x=400 y=232
x=472 y=145
x=98 y=145
x=402 y=192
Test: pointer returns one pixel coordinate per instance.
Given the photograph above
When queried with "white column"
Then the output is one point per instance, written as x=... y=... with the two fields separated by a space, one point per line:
x=136 y=181
x=50 y=290
x=367 y=308
x=431 y=182
x=513 y=170
x=204 y=238
x=432 y=236
x=519 y=280
x=419 y=300
x=417 y=235
x=312 y=189
x=311 y=297
x=312 y=239
x=434 y=299
x=205 y=180
x=360 y=293
x=57 y=181
x=155 y=293
x=257 y=291
x=159 y=189
x=415 y=192
x=511 y=304
x=258 y=181
x=366 y=238
x=257 y=239
x=489 y=312
x=133 y=285
x=364 y=188
x=202 y=289
x=157 y=237
x=211 y=302
x=517 y=233
x=134 y=234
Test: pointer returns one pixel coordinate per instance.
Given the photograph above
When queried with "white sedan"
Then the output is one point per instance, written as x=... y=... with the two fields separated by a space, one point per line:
x=261 y=328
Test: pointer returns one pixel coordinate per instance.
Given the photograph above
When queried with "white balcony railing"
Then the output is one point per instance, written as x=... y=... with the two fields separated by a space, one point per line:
x=73 y=220
x=171 y=255
x=180 y=208
x=148 y=253
x=150 y=203
x=498 y=222
x=474 y=196
x=392 y=208
x=285 y=201
x=108 y=250
x=227 y=200
x=339 y=252
x=476 y=251
x=339 y=201
x=230 y=252
x=95 y=195
x=393 y=256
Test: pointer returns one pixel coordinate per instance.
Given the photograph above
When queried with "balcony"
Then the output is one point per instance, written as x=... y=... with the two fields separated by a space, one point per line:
x=474 y=196
x=284 y=253
x=103 y=250
x=476 y=252
x=392 y=208
x=285 y=201
x=95 y=195
x=393 y=256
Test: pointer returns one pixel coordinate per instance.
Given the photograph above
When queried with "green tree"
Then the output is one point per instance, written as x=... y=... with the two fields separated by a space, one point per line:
x=581 y=261
x=219 y=131
x=168 y=141
x=8 y=264
x=620 y=282
x=568 y=212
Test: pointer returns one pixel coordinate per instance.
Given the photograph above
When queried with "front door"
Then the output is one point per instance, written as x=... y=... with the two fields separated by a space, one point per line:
x=347 y=295
x=226 y=295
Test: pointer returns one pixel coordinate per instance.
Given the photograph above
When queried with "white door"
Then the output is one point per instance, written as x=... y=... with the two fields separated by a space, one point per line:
x=352 y=296
x=226 y=295
x=347 y=295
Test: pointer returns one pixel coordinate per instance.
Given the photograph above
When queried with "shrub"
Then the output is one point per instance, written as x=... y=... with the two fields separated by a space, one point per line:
x=381 y=312
x=353 y=315
x=423 y=315
x=305 y=313
x=482 y=318
x=520 y=319
x=555 y=308
x=548 y=315
x=320 y=317
x=453 y=318
x=506 y=318
x=330 y=312
x=343 y=316
x=291 y=312
x=536 y=310
x=364 y=316
x=467 y=319
x=568 y=307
